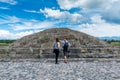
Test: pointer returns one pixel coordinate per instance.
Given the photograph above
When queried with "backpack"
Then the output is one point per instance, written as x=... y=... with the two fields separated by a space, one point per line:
x=65 y=47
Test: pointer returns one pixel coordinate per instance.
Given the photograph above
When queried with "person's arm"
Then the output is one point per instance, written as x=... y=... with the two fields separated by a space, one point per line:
x=69 y=44
x=62 y=43
x=58 y=44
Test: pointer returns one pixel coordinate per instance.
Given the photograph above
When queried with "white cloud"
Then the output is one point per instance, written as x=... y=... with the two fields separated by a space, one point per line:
x=4 y=34
x=32 y=25
x=9 y=19
x=16 y=23
x=13 y=19
x=5 y=8
x=109 y=9
x=54 y=13
x=12 y=2
x=31 y=11
x=100 y=28
x=113 y=13
x=96 y=19
x=64 y=16
x=85 y=4
x=20 y=27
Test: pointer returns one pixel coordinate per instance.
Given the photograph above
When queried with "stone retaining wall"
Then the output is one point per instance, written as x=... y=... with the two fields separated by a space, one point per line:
x=41 y=53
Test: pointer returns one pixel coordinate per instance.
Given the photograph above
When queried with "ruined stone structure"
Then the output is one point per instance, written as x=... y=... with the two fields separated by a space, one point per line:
x=42 y=42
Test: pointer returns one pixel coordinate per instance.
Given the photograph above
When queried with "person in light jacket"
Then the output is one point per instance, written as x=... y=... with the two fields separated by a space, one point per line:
x=56 y=50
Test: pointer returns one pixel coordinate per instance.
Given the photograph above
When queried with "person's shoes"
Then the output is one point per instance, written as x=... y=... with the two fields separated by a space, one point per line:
x=65 y=61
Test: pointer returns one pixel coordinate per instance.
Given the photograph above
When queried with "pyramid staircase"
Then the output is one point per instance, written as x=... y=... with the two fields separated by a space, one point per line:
x=37 y=53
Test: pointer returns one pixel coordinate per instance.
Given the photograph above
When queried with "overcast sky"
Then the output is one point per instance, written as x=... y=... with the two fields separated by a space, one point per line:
x=98 y=18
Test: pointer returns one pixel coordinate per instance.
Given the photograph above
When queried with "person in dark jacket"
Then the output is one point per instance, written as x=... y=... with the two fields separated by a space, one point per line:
x=66 y=46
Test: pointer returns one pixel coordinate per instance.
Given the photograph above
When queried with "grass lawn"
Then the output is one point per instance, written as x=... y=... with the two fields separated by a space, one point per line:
x=4 y=44
x=115 y=43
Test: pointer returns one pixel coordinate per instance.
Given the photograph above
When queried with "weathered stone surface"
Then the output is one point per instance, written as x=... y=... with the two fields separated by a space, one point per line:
x=12 y=54
x=45 y=39
x=82 y=70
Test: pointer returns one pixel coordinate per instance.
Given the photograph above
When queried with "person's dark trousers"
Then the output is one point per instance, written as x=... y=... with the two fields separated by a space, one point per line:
x=65 y=51
x=56 y=55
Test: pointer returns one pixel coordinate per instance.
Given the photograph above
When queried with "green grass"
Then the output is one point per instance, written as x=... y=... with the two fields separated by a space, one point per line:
x=4 y=44
x=115 y=43
x=7 y=41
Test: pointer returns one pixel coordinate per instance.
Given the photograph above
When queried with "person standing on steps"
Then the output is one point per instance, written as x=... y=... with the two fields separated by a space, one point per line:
x=56 y=50
x=66 y=45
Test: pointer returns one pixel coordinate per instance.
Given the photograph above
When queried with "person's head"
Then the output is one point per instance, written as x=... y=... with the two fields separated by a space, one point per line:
x=57 y=40
x=65 y=38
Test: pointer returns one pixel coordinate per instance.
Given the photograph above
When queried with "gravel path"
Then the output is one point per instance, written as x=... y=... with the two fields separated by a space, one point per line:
x=78 y=70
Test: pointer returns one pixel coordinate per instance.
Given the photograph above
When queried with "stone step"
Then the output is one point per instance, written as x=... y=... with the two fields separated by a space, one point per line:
x=52 y=55
x=61 y=59
x=60 y=55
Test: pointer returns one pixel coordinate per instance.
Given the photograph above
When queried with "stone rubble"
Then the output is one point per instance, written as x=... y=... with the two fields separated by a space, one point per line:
x=80 y=70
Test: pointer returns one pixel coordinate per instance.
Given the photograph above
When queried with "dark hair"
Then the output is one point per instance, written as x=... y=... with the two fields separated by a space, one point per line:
x=57 y=40
x=65 y=37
